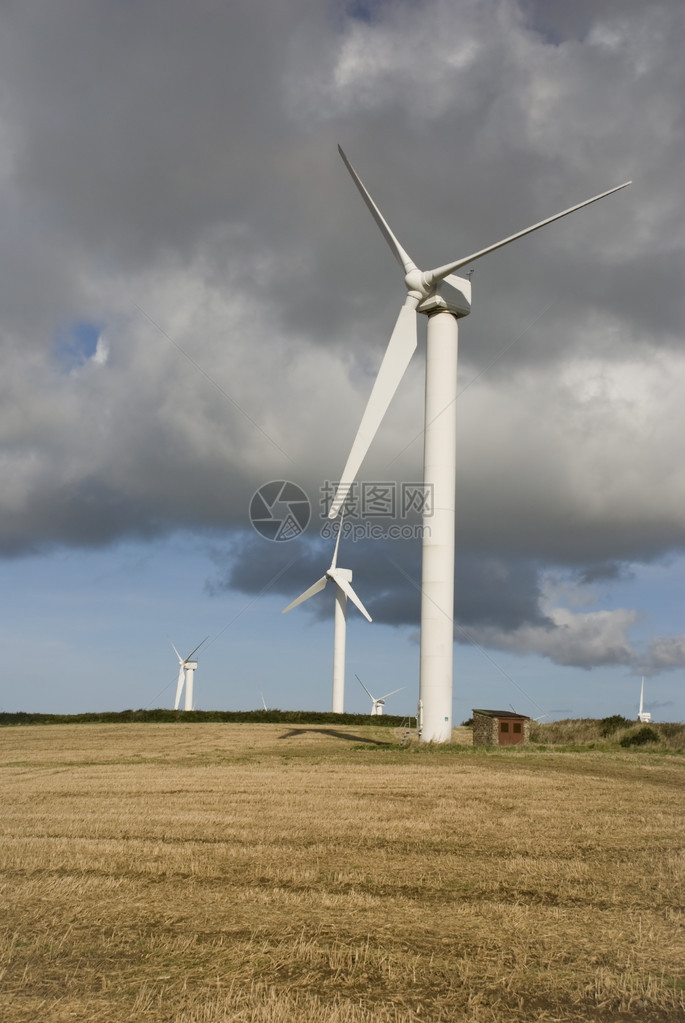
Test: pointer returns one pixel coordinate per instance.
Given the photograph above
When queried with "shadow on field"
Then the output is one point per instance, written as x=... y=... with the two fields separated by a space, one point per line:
x=337 y=735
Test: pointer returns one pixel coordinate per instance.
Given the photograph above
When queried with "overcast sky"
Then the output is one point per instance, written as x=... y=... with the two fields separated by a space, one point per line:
x=194 y=301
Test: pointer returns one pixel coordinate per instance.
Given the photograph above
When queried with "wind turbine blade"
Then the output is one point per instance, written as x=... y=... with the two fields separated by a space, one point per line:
x=400 y=349
x=398 y=252
x=180 y=659
x=340 y=581
x=334 y=562
x=370 y=695
x=392 y=693
x=316 y=588
x=441 y=273
x=179 y=684
x=197 y=648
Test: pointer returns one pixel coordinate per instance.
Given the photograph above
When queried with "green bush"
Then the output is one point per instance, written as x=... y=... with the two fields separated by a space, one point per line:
x=640 y=737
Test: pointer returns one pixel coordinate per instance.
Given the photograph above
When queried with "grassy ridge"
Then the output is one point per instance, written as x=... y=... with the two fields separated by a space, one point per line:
x=591 y=733
x=163 y=716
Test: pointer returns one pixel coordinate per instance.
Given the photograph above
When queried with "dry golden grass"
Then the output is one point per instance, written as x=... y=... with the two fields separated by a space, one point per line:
x=210 y=873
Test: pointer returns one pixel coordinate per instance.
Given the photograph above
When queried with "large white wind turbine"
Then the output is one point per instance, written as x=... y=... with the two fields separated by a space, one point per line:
x=377 y=702
x=439 y=458
x=342 y=577
x=186 y=674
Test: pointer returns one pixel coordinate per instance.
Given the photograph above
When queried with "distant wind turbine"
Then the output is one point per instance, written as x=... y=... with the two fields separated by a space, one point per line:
x=642 y=714
x=342 y=577
x=186 y=674
x=439 y=459
x=377 y=702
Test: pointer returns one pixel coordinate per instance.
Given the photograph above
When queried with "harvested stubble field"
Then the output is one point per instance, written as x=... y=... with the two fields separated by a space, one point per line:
x=265 y=874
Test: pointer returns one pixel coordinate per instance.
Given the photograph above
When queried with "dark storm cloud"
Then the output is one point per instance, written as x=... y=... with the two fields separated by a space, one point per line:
x=387 y=576
x=144 y=125
x=602 y=573
x=500 y=603
x=572 y=22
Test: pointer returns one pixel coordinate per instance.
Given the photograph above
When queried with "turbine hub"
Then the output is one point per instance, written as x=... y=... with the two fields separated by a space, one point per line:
x=418 y=284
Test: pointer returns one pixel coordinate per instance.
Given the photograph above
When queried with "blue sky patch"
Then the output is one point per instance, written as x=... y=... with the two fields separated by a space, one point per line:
x=76 y=344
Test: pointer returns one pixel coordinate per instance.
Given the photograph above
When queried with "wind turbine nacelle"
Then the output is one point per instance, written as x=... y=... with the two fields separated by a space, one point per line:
x=644 y=717
x=455 y=300
x=190 y=665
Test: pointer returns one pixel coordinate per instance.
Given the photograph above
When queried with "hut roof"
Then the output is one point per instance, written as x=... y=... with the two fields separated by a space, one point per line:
x=502 y=714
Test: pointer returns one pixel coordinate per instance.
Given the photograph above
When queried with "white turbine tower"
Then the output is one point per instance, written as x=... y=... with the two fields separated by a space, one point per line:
x=186 y=674
x=642 y=715
x=342 y=577
x=439 y=459
x=377 y=702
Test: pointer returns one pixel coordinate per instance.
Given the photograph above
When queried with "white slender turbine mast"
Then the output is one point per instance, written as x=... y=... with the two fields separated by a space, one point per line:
x=377 y=702
x=342 y=577
x=186 y=675
x=439 y=458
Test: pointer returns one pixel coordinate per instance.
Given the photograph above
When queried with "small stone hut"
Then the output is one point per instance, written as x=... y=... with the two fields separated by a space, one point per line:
x=500 y=728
